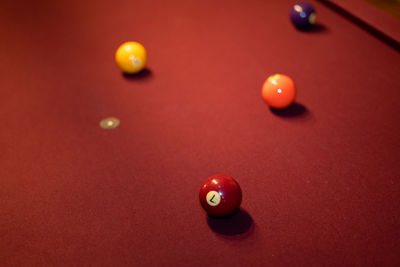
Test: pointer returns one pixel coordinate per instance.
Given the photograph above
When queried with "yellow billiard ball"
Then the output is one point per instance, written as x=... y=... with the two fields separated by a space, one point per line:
x=131 y=57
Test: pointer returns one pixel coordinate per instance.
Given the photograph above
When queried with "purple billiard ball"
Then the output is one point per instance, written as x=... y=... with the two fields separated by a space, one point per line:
x=302 y=15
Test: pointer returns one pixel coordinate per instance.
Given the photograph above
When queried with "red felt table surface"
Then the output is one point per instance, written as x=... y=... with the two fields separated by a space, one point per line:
x=320 y=181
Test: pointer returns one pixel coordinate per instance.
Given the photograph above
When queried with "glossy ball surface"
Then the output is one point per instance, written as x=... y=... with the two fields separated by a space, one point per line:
x=131 y=57
x=302 y=15
x=279 y=91
x=220 y=195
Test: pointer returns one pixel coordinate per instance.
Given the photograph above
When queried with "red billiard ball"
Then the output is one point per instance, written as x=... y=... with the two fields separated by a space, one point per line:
x=220 y=195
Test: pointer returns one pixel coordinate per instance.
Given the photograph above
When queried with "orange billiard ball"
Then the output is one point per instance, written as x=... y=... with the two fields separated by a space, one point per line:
x=279 y=91
x=131 y=57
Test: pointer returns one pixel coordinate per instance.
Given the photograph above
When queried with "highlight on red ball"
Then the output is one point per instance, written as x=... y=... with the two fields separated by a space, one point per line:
x=220 y=196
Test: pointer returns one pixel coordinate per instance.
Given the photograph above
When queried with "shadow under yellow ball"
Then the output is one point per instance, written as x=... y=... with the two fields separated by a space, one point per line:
x=131 y=57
